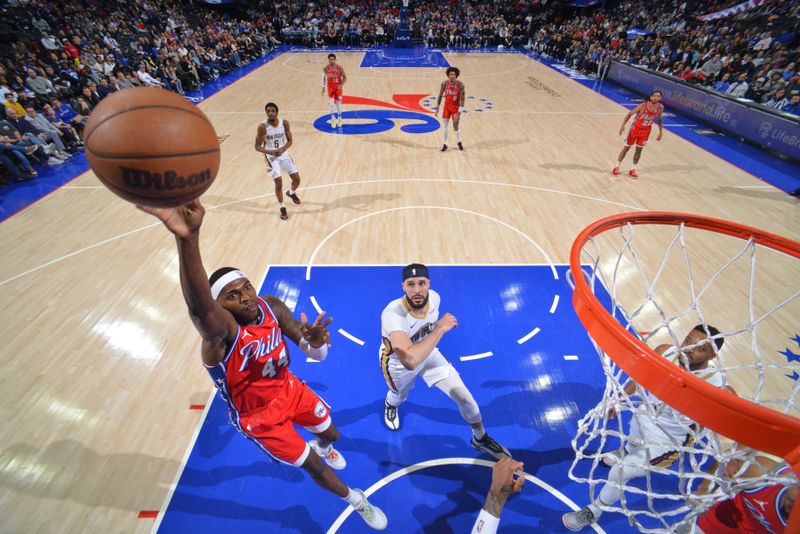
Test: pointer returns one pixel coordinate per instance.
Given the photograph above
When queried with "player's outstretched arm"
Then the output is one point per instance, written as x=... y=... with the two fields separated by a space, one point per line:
x=211 y=320
x=503 y=486
x=313 y=339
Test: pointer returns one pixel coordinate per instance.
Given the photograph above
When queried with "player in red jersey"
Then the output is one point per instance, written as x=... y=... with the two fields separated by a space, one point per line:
x=245 y=351
x=333 y=78
x=639 y=132
x=454 y=94
x=763 y=510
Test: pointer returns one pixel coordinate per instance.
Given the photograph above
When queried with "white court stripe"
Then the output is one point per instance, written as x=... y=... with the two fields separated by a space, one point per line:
x=351 y=337
x=82 y=187
x=317 y=186
x=527 y=336
x=455 y=461
x=754 y=186
x=554 y=305
x=476 y=356
x=570 y=357
x=457 y=210
x=314 y=303
x=174 y=485
x=79 y=251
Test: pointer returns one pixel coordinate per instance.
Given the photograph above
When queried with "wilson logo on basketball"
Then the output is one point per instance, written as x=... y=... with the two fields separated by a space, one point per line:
x=169 y=180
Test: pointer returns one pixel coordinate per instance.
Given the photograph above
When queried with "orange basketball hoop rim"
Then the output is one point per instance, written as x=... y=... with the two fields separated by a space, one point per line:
x=739 y=419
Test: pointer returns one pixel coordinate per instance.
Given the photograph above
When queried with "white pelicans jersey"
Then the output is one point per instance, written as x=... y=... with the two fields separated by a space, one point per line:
x=398 y=316
x=275 y=137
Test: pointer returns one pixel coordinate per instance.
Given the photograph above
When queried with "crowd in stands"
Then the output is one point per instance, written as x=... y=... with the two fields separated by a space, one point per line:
x=752 y=55
x=58 y=60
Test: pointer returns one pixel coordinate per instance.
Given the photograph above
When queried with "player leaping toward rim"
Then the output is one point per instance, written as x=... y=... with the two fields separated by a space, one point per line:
x=454 y=94
x=245 y=351
x=639 y=132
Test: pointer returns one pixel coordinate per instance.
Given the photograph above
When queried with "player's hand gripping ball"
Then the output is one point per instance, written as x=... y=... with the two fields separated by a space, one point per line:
x=152 y=147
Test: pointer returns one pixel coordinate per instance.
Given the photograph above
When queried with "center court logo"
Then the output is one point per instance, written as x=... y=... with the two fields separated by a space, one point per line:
x=406 y=108
x=764 y=129
x=412 y=110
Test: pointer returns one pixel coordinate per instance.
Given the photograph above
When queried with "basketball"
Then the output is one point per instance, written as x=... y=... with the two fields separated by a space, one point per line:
x=152 y=147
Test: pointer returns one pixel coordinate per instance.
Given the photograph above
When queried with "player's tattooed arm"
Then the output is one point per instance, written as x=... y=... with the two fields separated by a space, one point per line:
x=463 y=94
x=315 y=334
x=503 y=485
x=289 y=325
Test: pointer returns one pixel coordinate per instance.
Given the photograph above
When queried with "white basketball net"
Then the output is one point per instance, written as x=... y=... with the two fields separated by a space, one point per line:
x=659 y=281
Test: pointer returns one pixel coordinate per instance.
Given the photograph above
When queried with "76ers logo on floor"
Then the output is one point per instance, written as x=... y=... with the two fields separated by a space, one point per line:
x=406 y=109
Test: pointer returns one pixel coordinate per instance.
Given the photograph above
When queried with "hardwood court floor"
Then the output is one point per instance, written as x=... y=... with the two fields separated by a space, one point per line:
x=100 y=361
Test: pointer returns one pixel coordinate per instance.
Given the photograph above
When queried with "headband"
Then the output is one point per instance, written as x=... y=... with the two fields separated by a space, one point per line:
x=224 y=280
x=413 y=270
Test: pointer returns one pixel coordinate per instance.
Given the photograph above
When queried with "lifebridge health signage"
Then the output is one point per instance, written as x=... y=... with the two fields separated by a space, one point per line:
x=778 y=132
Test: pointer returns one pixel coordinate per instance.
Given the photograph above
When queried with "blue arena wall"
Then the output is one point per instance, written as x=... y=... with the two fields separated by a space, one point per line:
x=778 y=132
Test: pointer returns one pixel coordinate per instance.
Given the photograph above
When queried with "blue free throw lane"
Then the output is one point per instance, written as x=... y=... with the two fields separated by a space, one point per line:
x=530 y=399
x=404 y=57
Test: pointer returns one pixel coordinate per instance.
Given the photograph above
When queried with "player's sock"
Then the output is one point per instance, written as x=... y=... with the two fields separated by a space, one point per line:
x=282 y=206
x=323 y=446
x=291 y=191
x=458 y=136
x=619 y=163
x=444 y=131
x=596 y=511
x=479 y=432
x=354 y=499
x=634 y=166
x=339 y=108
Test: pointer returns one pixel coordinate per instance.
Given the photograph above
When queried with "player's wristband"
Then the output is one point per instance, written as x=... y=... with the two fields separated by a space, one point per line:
x=485 y=524
x=315 y=353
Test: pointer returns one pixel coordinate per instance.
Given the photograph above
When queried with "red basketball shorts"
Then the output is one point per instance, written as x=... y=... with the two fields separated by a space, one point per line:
x=335 y=92
x=637 y=137
x=450 y=109
x=272 y=425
